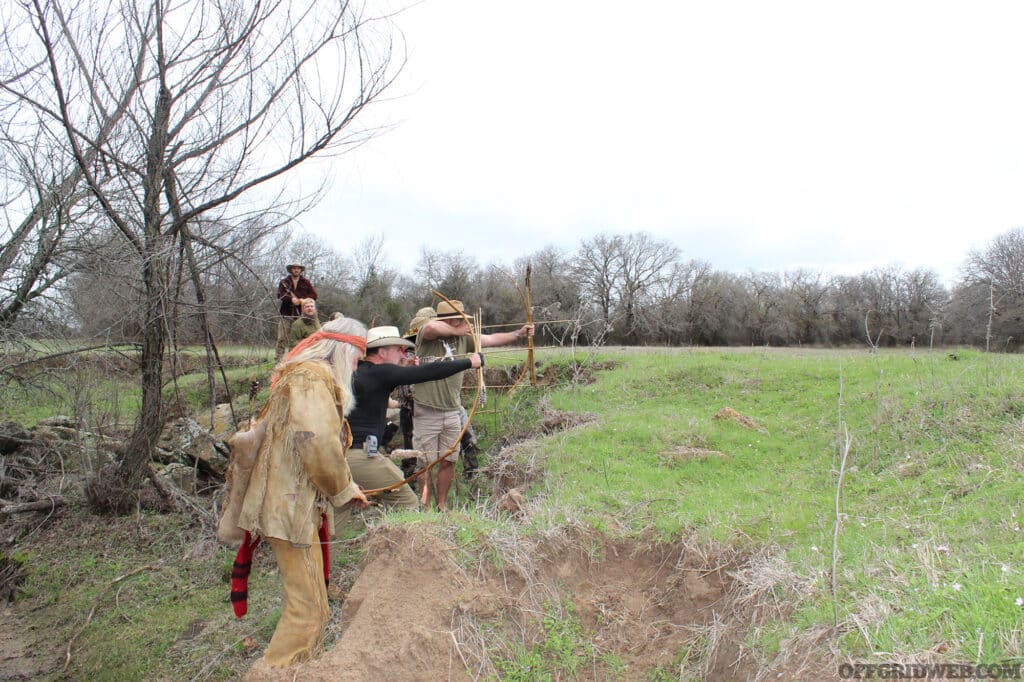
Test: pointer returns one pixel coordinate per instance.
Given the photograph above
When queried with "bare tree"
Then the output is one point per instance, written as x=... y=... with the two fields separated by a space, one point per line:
x=45 y=205
x=643 y=262
x=222 y=99
x=596 y=266
x=763 y=316
x=803 y=306
x=993 y=281
x=670 y=300
x=373 y=282
x=714 y=315
x=453 y=273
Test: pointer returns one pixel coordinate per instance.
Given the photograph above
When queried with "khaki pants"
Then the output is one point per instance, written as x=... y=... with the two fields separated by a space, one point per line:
x=284 y=331
x=380 y=472
x=304 y=609
x=436 y=431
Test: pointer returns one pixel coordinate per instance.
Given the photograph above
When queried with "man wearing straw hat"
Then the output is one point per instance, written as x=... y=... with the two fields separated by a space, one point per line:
x=438 y=403
x=379 y=373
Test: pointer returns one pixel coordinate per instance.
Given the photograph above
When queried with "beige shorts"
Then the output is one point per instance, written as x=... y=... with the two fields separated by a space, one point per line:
x=435 y=432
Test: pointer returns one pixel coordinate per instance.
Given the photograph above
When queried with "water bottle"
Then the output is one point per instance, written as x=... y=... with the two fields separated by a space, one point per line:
x=370 y=445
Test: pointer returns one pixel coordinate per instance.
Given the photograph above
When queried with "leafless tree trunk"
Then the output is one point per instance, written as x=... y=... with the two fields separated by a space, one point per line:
x=221 y=100
x=596 y=267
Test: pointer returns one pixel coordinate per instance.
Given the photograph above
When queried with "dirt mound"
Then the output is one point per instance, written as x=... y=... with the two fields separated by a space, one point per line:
x=415 y=614
x=397 y=618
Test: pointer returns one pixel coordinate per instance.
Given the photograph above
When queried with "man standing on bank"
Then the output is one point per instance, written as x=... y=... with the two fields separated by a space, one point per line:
x=299 y=474
x=375 y=377
x=290 y=292
x=438 y=403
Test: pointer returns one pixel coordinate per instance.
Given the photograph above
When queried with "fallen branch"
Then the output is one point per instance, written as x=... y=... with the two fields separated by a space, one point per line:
x=92 y=612
x=48 y=504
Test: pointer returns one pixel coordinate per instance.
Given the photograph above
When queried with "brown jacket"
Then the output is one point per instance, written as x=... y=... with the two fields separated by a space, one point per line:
x=301 y=462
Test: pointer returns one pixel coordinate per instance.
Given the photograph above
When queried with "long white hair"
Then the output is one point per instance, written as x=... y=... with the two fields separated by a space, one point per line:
x=339 y=356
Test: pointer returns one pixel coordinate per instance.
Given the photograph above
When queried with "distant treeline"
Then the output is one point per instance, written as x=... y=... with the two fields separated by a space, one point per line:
x=630 y=289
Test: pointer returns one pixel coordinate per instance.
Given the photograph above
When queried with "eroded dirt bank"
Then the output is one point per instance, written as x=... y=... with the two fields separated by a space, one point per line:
x=415 y=613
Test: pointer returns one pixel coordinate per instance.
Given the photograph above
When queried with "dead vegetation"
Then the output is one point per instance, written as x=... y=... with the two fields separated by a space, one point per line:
x=12 y=575
x=687 y=453
x=516 y=463
x=729 y=414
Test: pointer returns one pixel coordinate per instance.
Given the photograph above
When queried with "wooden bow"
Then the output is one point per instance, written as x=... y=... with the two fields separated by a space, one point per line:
x=525 y=296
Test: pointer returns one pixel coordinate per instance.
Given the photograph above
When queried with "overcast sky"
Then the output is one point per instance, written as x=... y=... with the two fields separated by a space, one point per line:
x=753 y=135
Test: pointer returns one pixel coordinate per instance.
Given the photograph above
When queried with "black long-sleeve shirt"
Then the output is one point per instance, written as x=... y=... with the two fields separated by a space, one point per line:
x=373 y=383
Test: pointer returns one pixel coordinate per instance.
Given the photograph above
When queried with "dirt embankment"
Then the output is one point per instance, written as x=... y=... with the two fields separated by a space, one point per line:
x=415 y=614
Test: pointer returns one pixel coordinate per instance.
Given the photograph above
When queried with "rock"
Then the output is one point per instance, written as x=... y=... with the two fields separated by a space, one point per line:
x=59 y=420
x=180 y=475
x=210 y=459
x=65 y=433
x=185 y=438
x=222 y=426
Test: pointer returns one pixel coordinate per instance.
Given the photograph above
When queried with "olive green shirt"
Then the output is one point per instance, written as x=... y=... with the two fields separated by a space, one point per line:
x=443 y=394
x=301 y=328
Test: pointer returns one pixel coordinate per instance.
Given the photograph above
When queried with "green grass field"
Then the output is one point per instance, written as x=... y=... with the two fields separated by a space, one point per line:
x=929 y=551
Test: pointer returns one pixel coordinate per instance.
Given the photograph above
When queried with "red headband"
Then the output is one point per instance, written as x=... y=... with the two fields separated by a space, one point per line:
x=357 y=341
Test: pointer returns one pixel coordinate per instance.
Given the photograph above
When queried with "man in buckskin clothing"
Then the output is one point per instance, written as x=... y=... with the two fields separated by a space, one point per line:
x=299 y=473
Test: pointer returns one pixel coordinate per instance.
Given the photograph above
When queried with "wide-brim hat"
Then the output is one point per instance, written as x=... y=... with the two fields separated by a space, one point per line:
x=379 y=337
x=289 y=267
x=453 y=309
x=423 y=315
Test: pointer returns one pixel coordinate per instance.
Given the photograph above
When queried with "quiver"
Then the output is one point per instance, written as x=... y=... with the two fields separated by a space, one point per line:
x=245 y=446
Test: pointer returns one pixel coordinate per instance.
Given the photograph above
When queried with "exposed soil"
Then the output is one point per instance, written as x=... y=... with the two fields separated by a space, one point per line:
x=416 y=614
x=24 y=655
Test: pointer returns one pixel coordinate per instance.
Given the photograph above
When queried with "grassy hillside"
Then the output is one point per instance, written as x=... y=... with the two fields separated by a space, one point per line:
x=929 y=553
x=918 y=555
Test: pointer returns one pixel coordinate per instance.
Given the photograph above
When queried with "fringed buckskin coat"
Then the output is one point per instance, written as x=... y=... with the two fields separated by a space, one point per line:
x=301 y=463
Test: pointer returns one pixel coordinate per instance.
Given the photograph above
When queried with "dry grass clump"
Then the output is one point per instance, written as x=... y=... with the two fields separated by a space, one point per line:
x=729 y=414
x=686 y=453
x=553 y=420
x=765 y=587
x=515 y=466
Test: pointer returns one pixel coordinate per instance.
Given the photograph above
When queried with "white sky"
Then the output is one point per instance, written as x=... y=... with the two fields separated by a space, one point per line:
x=754 y=135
